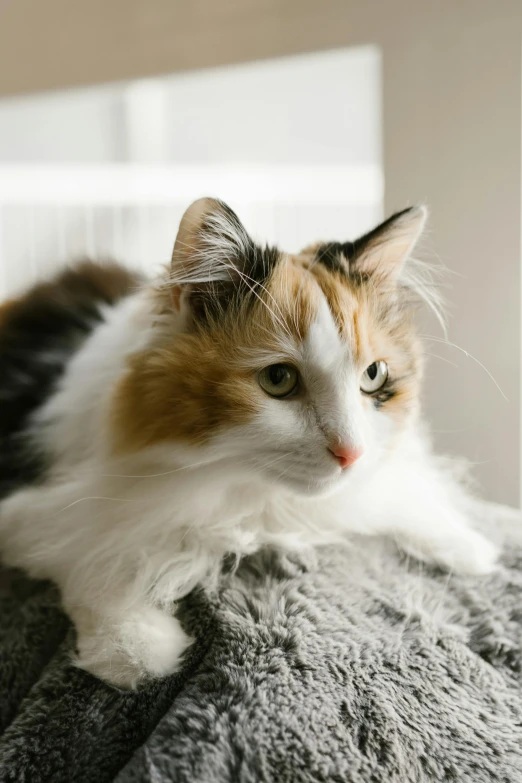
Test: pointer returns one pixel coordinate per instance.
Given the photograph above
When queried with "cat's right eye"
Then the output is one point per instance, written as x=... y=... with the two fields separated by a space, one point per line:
x=279 y=380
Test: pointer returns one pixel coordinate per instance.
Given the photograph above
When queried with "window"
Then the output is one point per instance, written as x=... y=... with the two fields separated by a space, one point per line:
x=108 y=171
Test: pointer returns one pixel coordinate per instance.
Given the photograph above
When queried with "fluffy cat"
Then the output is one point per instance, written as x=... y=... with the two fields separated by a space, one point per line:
x=250 y=397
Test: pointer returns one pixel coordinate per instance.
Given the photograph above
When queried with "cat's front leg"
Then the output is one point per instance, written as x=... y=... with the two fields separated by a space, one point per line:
x=445 y=538
x=128 y=645
x=426 y=512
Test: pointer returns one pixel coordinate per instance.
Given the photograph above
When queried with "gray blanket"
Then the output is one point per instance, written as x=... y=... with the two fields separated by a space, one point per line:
x=353 y=664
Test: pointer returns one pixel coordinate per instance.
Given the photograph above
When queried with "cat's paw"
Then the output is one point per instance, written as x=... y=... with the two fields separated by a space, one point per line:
x=463 y=551
x=470 y=553
x=134 y=648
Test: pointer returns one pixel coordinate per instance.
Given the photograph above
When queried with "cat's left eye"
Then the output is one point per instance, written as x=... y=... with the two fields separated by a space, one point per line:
x=279 y=380
x=374 y=377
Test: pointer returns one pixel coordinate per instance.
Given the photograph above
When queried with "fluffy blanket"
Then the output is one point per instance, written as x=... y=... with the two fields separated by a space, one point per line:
x=354 y=664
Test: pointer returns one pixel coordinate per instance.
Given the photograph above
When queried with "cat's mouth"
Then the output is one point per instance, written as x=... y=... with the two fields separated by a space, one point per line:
x=306 y=482
x=311 y=480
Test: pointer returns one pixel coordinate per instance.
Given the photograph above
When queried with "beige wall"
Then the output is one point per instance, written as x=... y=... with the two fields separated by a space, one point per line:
x=452 y=109
x=452 y=138
x=58 y=43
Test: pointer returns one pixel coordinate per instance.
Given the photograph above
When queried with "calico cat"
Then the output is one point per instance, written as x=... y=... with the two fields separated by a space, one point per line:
x=248 y=398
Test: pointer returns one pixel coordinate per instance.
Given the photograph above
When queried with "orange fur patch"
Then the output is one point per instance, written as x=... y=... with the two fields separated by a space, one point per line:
x=182 y=391
x=188 y=386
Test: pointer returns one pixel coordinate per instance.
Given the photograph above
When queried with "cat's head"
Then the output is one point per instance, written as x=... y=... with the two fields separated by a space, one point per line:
x=303 y=369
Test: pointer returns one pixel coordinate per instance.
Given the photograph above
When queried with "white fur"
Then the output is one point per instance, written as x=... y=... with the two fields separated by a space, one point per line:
x=125 y=539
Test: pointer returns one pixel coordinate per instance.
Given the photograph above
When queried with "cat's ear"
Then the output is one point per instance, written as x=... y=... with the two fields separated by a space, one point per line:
x=211 y=242
x=210 y=254
x=385 y=249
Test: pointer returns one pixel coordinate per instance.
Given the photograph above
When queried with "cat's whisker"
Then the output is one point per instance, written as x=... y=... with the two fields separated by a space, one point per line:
x=276 y=318
x=269 y=463
x=267 y=292
x=442 y=358
x=471 y=463
x=447 y=432
x=148 y=475
x=444 y=341
x=97 y=497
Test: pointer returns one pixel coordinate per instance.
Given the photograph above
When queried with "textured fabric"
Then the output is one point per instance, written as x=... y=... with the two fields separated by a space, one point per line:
x=351 y=665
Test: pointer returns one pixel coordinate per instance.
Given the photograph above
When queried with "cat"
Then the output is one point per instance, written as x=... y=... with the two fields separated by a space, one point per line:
x=247 y=398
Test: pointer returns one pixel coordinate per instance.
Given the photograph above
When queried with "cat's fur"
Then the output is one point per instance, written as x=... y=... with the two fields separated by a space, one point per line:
x=137 y=447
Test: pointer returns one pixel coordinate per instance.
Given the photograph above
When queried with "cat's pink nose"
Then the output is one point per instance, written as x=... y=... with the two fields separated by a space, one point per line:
x=346 y=456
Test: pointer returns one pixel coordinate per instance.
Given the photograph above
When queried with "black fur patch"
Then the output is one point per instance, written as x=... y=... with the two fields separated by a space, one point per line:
x=332 y=254
x=210 y=301
x=257 y=262
x=254 y=266
x=373 y=236
x=339 y=257
x=38 y=335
